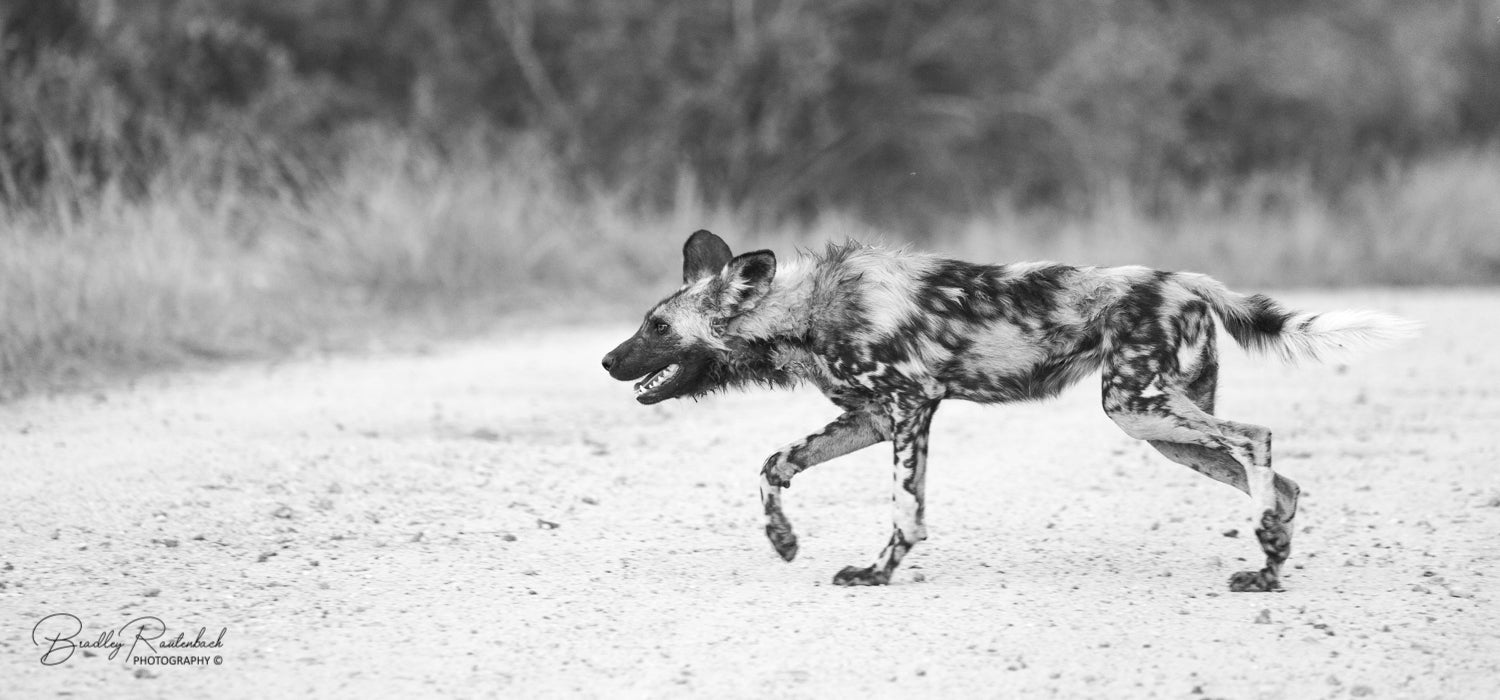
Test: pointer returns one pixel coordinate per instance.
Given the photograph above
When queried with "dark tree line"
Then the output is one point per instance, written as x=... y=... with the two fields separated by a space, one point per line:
x=892 y=108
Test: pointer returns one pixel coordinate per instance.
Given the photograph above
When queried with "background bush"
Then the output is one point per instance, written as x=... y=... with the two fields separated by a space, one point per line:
x=903 y=111
x=189 y=180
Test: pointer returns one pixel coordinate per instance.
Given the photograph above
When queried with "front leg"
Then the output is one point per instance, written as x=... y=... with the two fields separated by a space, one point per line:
x=849 y=432
x=909 y=425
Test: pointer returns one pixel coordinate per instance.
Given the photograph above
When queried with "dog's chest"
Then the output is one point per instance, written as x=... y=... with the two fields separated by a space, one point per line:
x=843 y=383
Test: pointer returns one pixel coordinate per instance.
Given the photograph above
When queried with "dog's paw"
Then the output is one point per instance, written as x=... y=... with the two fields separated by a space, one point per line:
x=1254 y=581
x=856 y=576
x=782 y=539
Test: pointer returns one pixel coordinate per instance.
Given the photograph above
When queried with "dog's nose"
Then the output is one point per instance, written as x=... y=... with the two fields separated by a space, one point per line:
x=609 y=361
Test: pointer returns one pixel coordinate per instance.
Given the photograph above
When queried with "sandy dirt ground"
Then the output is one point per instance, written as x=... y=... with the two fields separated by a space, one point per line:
x=499 y=518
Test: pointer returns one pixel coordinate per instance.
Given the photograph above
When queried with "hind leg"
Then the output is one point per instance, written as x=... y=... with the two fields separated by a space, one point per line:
x=1213 y=443
x=1273 y=497
x=1212 y=463
x=1223 y=468
x=1158 y=387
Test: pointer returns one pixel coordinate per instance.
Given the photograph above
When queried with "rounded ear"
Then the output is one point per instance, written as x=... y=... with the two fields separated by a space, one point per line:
x=747 y=279
x=703 y=255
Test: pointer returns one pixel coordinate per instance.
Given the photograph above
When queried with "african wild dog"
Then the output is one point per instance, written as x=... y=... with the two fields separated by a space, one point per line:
x=886 y=335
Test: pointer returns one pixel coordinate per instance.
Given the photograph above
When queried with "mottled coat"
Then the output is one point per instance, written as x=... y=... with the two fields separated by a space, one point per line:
x=888 y=334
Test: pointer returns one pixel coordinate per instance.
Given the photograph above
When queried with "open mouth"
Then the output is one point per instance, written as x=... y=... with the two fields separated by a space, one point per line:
x=654 y=380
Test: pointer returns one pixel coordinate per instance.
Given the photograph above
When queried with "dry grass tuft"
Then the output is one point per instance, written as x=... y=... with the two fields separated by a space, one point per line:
x=95 y=287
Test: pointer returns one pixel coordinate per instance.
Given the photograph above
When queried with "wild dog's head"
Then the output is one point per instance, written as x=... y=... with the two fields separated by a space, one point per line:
x=680 y=349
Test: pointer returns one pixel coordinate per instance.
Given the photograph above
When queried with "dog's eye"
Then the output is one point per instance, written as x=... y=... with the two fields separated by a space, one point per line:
x=661 y=328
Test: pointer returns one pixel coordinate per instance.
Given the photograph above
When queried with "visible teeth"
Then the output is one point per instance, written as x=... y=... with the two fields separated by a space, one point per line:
x=655 y=380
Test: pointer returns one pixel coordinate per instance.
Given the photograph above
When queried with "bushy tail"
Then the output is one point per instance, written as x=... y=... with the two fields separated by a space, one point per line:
x=1259 y=324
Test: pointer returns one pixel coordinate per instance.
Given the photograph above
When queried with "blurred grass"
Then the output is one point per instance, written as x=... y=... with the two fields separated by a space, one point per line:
x=97 y=287
x=1434 y=223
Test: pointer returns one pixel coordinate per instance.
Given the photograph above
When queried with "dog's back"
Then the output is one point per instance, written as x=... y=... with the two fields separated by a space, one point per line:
x=986 y=333
x=1020 y=331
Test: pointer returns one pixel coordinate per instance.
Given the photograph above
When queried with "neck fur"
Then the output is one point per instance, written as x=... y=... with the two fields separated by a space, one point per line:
x=787 y=309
